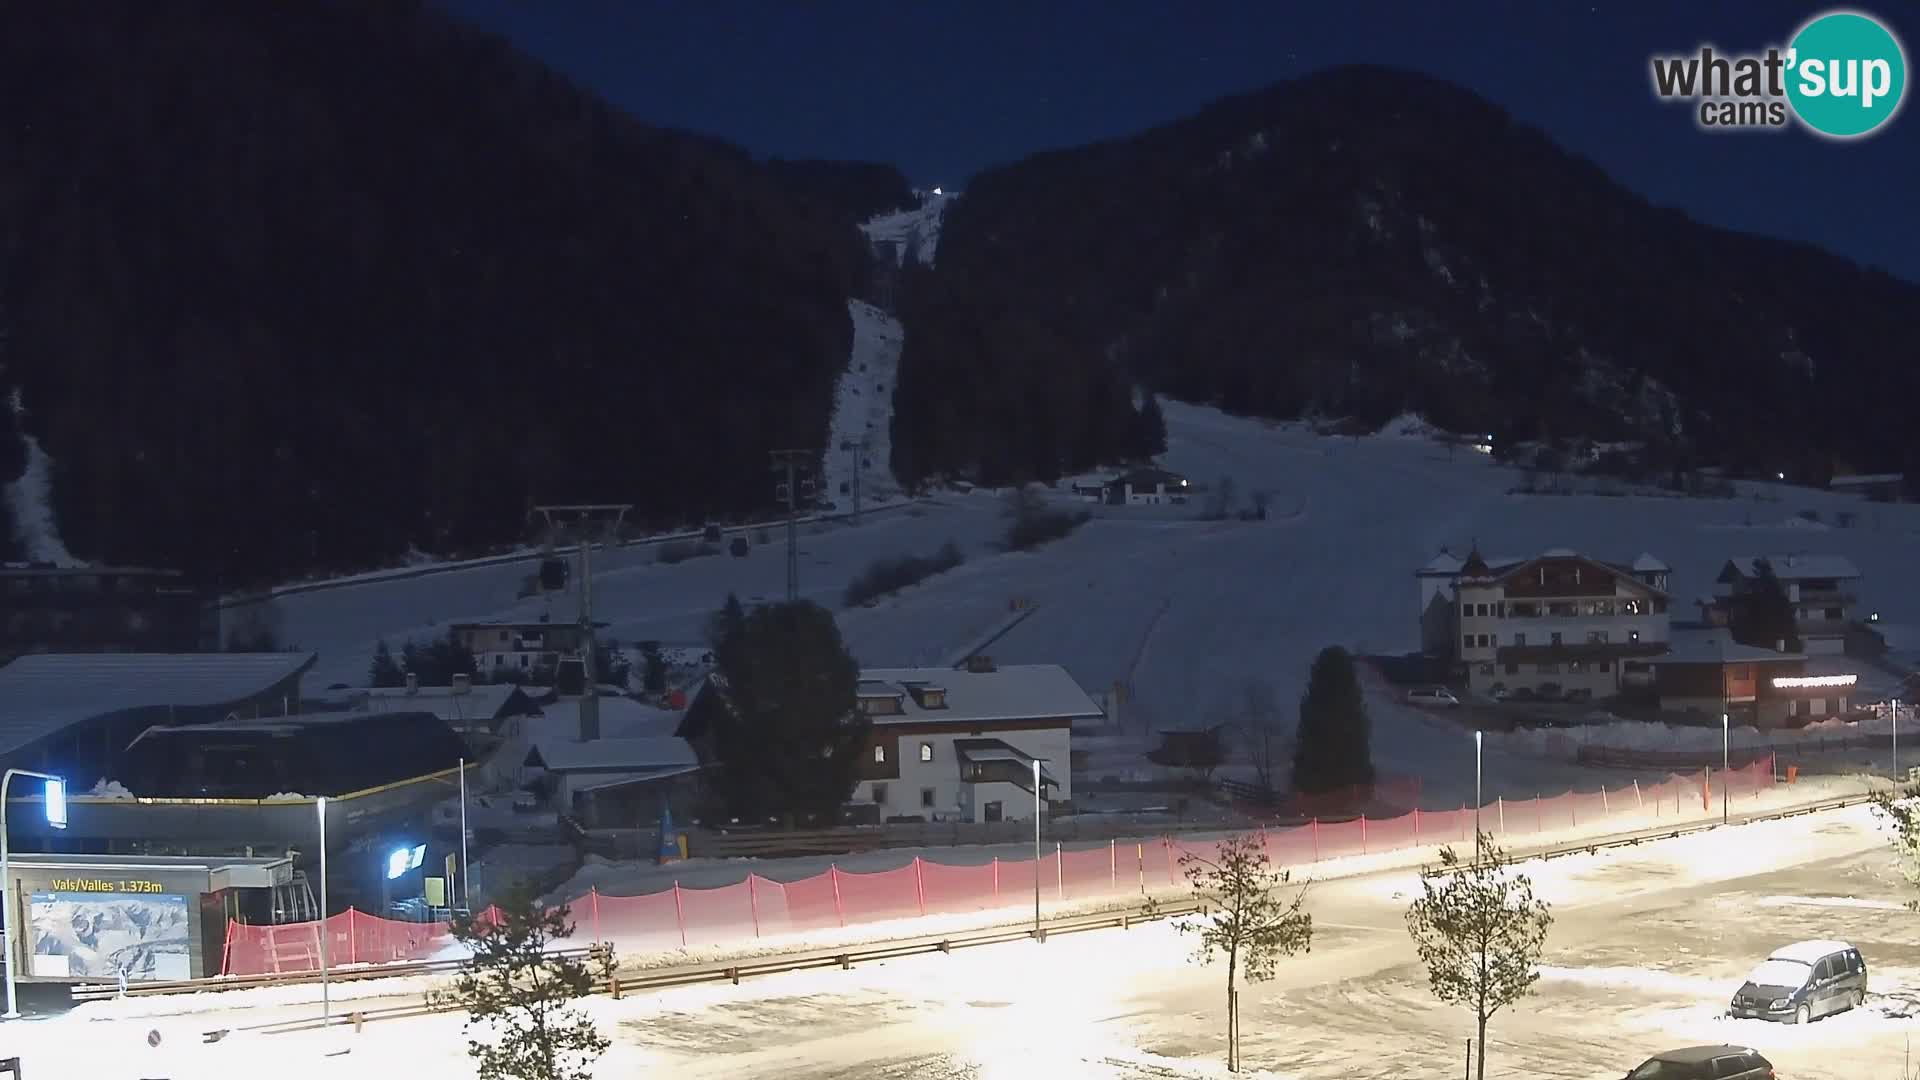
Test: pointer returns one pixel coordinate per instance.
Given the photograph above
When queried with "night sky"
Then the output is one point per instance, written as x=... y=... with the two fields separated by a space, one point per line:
x=946 y=90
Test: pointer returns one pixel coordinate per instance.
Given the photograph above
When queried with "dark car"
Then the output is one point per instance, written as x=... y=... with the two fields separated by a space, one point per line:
x=1705 y=1063
x=1804 y=982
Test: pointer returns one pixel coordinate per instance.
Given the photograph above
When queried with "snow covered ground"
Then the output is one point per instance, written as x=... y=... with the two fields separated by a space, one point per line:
x=1647 y=946
x=1181 y=611
x=860 y=436
x=914 y=232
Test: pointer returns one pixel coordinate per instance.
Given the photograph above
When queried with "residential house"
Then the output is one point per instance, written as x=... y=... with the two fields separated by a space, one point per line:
x=468 y=709
x=960 y=744
x=1706 y=671
x=1558 y=618
x=1148 y=486
x=57 y=609
x=528 y=646
x=1820 y=588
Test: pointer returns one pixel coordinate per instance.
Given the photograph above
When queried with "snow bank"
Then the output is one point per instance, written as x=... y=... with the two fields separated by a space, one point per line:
x=110 y=789
x=1408 y=426
x=1565 y=743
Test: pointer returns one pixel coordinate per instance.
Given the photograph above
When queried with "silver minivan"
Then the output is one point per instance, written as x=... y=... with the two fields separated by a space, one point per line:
x=1804 y=982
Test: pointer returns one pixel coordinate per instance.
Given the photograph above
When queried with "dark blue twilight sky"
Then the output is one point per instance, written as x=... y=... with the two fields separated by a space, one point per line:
x=944 y=90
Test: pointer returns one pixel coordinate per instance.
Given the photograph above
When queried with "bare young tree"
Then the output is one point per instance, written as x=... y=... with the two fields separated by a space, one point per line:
x=521 y=991
x=1480 y=932
x=1900 y=817
x=1254 y=713
x=1246 y=919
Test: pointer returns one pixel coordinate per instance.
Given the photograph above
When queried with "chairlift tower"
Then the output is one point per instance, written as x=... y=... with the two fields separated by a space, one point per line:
x=583 y=522
x=792 y=464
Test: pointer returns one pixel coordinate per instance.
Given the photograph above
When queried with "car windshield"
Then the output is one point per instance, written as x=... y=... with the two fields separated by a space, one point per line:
x=1655 y=1069
x=1788 y=973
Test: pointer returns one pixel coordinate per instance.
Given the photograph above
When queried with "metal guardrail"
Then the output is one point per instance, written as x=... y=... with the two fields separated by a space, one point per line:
x=619 y=985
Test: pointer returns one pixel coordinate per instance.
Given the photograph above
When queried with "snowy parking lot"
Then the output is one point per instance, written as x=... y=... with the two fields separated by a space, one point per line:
x=1647 y=946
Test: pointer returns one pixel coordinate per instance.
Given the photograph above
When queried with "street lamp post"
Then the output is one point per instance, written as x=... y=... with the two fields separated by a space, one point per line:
x=1896 y=744
x=466 y=896
x=326 y=997
x=1036 y=850
x=1726 y=752
x=56 y=808
x=1477 y=800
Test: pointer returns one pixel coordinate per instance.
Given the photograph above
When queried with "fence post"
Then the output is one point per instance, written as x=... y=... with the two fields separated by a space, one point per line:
x=1416 y=826
x=919 y=886
x=1462 y=819
x=1363 y=834
x=1638 y=804
x=1167 y=842
x=996 y=881
x=1573 y=809
x=593 y=905
x=1059 y=872
x=1537 y=826
x=1140 y=861
x=353 y=940
x=679 y=913
x=1113 y=865
x=1500 y=803
x=1314 y=823
x=833 y=875
x=753 y=903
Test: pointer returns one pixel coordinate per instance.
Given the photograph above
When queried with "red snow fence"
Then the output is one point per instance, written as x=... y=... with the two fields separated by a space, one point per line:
x=760 y=907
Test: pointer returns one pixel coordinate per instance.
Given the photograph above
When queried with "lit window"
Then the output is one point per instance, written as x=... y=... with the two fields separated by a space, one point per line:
x=926 y=751
x=879 y=755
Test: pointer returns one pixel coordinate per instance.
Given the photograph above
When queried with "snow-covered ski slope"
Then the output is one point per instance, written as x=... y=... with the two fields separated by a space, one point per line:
x=915 y=232
x=1181 y=610
x=861 y=431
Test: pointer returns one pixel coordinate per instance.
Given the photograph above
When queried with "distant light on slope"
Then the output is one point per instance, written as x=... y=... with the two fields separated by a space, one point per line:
x=936 y=191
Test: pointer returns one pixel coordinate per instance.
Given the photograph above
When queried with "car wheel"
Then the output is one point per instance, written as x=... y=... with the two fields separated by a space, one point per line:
x=1802 y=1015
x=1859 y=999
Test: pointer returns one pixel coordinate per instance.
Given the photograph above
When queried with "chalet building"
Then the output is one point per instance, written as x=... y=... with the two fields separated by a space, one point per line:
x=1706 y=671
x=960 y=744
x=1145 y=487
x=54 y=609
x=1558 y=618
x=1876 y=487
x=1821 y=589
x=528 y=646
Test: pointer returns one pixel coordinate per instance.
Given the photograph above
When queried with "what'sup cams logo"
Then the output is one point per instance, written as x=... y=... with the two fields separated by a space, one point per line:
x=1842 y=76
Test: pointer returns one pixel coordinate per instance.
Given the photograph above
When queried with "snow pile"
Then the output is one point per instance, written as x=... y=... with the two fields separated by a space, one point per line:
x=110 y=789
x=914 y=233
x=1564 y=743
x=1791 y=524
x=30 y=501
x=285 y=796
x=1408 y=426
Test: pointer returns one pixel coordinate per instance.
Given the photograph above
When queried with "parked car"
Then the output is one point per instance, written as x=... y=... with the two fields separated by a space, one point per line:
x=1705 y=1063
x=1578 y=695
x=1436 y=697
x=1499 y=692
x=1804 y=982
x=1548 y=691
x=1520 y=693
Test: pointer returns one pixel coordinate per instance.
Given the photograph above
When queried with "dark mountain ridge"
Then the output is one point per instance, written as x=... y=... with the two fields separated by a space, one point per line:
x=1363 y=242
x=292 y=294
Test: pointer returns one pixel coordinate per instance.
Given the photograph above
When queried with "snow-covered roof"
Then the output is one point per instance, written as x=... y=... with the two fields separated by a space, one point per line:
x=483 y=702
x=1798 y=567
x=615 y=755
x=597 y=781
x=1016 y=692
x=42 y=694
x=1444 y=564
x=1647 y=564
x=1559 y=553
x=1715 y=647
x=1809 y=952
x=620 y=718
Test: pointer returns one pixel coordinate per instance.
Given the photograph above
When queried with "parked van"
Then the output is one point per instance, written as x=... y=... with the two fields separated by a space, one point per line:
x=1804 y=982
x=1438 y=697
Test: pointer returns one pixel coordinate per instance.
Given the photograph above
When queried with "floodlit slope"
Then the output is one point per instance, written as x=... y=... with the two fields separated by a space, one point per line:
x=860 y=436
x=1179 y=610
x=915 y=232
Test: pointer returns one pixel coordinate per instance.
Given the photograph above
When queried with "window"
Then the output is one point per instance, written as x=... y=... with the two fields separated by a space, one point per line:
x=1599 y=607
x=1576 y=667
x=1597 y=637
x=1793 y=707
x=879 y=755
x=1524 y=611
x=926 y=751
x=1833 y=613
x=1604 y=666
x=879 y=793
x=1486 y=641
x=1519 y=639
x=1562 y=611
x=926 y=797
x=1486 y=669
x=1513 y=669
x=1467 y=641
x=1556 y=637
x=1547 y=669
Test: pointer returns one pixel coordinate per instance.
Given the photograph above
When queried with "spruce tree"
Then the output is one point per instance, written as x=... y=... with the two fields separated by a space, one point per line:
x=385 y=670
x=1763 y=616
x=1333 y=749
